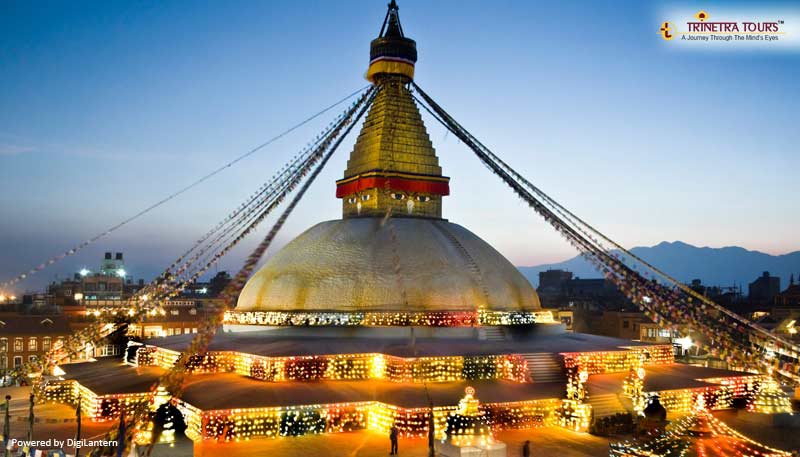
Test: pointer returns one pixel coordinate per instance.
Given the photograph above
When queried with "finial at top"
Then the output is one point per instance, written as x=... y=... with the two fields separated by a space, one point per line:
x=392 y=53
x=391 y=23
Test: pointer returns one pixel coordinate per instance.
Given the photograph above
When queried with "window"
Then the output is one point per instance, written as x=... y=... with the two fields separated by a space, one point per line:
x=4 y=362
x=194 y=329
x=398 y=196
x=625 y=324
x=175 y=312
x=18 y=347
x=109 y=349
x=192 y=311
x=32 y=344
x=364 y=198
x=32 y=358
x=423 y=198
x=46 y=343
x=17 y=361
x=3 y=344
x=351 y=200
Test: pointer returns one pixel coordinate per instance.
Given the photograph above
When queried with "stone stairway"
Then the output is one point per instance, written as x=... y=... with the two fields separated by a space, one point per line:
x=492 y=333
x=471 y=265
x=545 y=367
x=609 y=404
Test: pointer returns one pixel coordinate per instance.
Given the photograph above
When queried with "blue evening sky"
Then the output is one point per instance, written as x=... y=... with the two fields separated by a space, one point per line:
x=106 y=107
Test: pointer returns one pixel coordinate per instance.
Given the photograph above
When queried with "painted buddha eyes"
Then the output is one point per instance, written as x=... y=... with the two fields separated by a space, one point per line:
x=419 y=198
x=394 y=195
x=353 y=200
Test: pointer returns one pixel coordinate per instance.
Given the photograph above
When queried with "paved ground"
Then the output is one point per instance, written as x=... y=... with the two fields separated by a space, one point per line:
x=759 y=427
x=55 y=421
x=545 y=442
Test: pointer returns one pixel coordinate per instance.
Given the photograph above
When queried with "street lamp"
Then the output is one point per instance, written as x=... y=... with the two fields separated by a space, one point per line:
x=78 y=431
x=7 y=427
x=32 y=399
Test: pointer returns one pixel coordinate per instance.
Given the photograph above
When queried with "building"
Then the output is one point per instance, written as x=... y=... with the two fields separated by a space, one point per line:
x=107 y=286
x=373 y=322
x=789 y=297
x=551 y=282
x=559 y=289
x=764 y=289
x=565 y=316
x=88 y=295
x=26 y=338
x=181 y=317
x=113 y=265
x=651 y=333
x=622 y=324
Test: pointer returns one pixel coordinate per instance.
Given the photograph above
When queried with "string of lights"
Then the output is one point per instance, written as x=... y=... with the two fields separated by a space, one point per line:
x=598 y=362
x=510 y=367
x=470 y=318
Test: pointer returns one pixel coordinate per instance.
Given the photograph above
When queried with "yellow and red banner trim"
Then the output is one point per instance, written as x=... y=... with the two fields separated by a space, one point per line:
x=437 y=185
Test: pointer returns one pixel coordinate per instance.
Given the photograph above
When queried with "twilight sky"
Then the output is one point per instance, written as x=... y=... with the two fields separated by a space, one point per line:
x=106 y=107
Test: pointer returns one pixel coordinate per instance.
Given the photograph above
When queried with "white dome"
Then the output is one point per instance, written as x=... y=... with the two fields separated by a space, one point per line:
x=360 y=264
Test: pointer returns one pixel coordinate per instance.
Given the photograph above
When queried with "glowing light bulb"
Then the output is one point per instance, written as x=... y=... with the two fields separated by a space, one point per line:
x=685 y=342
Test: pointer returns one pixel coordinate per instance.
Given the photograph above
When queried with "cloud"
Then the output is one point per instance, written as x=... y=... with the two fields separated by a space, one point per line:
x=13 y=150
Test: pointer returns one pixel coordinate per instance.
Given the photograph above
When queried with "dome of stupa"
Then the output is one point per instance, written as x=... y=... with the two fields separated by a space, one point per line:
x=404 y=264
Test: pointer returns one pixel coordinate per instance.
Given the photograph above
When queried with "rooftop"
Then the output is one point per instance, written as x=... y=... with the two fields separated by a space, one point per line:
x=23 y=325
x=659 y=378
x=110 y=375
x=233 y=391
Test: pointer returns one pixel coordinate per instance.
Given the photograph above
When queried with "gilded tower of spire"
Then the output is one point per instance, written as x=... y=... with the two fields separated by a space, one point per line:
x=393 y=165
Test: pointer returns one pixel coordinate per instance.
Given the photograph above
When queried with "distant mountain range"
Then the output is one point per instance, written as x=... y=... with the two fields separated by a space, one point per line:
x=714 y=266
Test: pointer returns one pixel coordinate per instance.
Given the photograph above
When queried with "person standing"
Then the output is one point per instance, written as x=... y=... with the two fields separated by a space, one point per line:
x=393 y=438
x=526 y=449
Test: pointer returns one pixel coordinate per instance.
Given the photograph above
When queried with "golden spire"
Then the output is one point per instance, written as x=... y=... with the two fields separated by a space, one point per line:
x=393 y=164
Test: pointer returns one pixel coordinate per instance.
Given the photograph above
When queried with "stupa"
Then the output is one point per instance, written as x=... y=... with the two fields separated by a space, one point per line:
x=385 y=316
